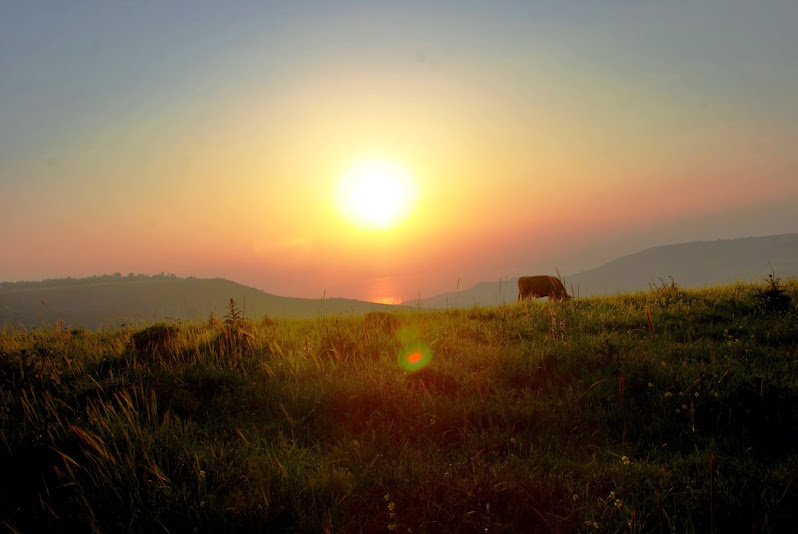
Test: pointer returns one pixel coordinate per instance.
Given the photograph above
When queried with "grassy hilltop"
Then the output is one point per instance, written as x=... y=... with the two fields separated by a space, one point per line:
x=667 y=410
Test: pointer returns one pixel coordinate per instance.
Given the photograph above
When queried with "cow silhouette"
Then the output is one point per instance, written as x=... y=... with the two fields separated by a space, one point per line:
x=541 y=286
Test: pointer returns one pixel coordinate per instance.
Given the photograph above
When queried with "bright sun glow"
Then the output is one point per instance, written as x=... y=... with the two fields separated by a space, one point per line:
x=376 y=193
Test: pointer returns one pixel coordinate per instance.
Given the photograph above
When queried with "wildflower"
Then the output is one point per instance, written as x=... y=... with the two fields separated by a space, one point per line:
x=391 y=506
x=664 y=364
x=575 y=497
x=595 y=525
x=202 y=504
x=626 y=460
x=684 y=406
x=387 y=497
x=392 y=526
x=651 y=384
x=678 y=410
x=618 y=504
x=202 y=474
x=696 y=394
x=612 y=495
x=668 y=394
x=355 y=444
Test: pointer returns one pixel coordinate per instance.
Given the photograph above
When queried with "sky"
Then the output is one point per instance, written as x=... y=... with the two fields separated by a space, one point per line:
x=211 y=139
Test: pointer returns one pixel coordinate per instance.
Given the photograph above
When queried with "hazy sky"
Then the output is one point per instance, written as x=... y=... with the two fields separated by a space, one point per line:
x=210 y=138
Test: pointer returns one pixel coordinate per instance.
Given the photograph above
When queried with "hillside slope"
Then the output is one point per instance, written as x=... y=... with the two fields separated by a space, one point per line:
x=113 y=300
x=660 y=411
x=695 y=264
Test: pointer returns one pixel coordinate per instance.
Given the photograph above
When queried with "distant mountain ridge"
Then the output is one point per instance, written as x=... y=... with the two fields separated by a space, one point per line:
x=693 y=264
x=114 y=300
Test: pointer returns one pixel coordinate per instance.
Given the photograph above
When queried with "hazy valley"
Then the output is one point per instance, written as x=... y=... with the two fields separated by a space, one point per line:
x=114 y=300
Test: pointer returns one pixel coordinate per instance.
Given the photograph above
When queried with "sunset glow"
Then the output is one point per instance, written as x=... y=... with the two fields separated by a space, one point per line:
x=387 y=151
x=376 y=193
x=369 y=266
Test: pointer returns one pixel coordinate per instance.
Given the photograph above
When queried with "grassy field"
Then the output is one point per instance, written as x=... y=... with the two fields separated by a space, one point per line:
x=664 y=411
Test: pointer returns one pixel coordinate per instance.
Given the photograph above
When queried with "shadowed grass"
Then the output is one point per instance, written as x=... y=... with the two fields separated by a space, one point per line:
x=558 y=417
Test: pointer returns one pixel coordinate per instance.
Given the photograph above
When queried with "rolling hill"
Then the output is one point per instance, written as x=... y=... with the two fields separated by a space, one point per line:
x=134 y=299
x=693 y=264
x=115 y=300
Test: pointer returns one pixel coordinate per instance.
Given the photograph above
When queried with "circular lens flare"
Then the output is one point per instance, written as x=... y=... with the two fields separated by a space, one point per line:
x=415 y=356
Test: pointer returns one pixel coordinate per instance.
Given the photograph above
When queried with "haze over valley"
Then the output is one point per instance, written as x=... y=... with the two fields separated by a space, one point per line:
x=113 y=300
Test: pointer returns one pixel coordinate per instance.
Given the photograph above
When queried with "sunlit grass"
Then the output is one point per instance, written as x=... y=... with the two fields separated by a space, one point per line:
x=554 y=417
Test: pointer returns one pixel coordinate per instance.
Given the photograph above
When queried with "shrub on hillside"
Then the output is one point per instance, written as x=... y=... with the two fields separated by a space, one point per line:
x=155 y=339
x=665 y=293
x=235 y=336
x=773 y=298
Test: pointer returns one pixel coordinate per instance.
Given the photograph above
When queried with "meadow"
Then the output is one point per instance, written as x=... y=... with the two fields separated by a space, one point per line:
x=670 y=410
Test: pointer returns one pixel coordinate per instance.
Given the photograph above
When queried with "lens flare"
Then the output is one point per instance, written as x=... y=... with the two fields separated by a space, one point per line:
x=415 y=356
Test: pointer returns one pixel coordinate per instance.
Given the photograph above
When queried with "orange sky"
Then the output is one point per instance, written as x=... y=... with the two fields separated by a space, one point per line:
x=538 y=138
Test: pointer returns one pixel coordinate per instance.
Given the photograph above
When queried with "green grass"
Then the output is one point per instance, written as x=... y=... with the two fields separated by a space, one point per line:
x=580 y=416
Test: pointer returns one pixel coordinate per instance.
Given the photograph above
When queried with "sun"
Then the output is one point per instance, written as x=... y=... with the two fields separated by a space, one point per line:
x=376 y=194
